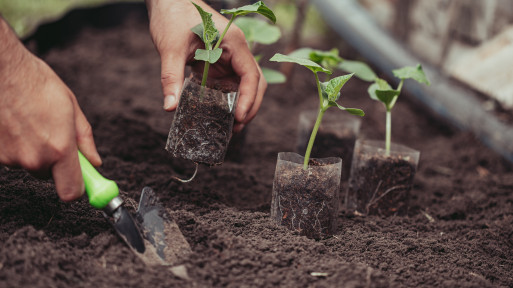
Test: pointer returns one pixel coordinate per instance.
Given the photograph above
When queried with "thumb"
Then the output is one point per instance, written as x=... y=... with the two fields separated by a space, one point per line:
x=172 y=77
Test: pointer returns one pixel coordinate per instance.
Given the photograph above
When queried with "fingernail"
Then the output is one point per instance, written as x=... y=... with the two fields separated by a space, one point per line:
x=244 y=116
x=169 y=101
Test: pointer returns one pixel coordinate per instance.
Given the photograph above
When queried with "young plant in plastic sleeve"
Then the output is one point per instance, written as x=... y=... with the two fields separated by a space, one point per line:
x=329 y=94
x=210 y=35
x=381 y=91
x=258 y=31
x=331 y=60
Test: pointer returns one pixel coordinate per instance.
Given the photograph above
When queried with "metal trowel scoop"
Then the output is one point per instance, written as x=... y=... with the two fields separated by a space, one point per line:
x=152 y=235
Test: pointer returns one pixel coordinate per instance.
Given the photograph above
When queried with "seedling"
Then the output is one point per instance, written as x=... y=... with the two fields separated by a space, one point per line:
x=331 y=61
x=258 y=31
x=210 y=35
x=381 y=91
x=329 y=93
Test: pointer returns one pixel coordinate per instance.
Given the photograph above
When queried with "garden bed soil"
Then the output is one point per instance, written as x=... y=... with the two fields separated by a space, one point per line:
x=458 y=231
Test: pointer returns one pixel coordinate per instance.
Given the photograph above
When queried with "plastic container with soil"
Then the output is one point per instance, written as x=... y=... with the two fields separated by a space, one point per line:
x=203 y=122
x=380 y=184
x=306 y=201
x=335 y=138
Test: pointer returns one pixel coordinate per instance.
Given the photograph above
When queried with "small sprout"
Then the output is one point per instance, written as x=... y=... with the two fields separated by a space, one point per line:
x=329 y=94
x=210 y=35
x=381 y=91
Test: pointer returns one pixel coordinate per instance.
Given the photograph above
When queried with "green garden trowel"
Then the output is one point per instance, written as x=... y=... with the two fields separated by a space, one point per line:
x=151 y=234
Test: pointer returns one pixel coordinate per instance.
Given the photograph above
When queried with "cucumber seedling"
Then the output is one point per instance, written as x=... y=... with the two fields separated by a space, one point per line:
x=381 y=91
x=210 y=35
x=331 y=60
x=329 y=93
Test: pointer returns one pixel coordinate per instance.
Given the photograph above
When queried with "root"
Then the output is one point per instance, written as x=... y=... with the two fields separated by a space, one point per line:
x=188 y=180
x=375 y=200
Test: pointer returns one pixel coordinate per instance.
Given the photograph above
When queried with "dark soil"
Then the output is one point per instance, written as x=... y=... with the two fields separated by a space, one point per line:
x=380 y=185
x=307 y=201
x=458 y=231
x=203 y=122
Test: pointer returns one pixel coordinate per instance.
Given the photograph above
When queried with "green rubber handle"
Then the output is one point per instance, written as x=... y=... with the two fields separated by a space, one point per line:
x=99 y=189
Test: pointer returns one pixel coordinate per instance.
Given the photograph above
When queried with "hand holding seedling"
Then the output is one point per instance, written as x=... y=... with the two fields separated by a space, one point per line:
x=41 y=124
x=170 y=24
x=329 y=93
x=381 y=91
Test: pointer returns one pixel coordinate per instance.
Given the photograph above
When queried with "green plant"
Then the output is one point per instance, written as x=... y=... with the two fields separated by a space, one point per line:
x=331 y=61
x=258 y=31
x=210 y=35
x=381 y=91
x=329 y=93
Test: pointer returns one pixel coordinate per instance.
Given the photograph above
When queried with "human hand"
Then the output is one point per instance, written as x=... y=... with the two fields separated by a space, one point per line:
x=41 y=124
x=170 y=24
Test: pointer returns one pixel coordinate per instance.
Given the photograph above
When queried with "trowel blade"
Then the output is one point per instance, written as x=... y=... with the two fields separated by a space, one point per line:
x=160 y=230
x=125 y=226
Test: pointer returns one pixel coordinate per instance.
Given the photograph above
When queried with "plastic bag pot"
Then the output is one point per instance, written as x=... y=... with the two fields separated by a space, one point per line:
x=306 y=201
x=335 y=138
x=380 y=184
x=203 y=122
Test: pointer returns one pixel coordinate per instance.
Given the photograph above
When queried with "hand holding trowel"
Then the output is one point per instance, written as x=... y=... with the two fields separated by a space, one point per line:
x=151 y=234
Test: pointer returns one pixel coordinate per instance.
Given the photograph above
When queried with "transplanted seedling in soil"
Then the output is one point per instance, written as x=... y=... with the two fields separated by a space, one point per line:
x=331 y=60
x=203 y=122
x=382 y=173
x=338 y=135
x=306 y=191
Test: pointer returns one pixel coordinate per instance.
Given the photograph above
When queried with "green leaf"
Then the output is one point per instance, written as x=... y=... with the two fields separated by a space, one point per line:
x=379 y=84
x=258 y=57
x=258 y=31
x=326 y=58
x=360 y=70
x=258 y=7
x=198 y=30
x=410 y=72
x=332 y=88
x=353 y=111
x=301 y=53
x=388 y=97
x=208 y=55
x=314 y=67
x=273 y=76
x=210 y=33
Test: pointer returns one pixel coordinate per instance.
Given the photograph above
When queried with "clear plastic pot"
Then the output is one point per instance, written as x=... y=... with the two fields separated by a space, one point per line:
x=306 y=201
x=203 y=122
x=335 y=138
x=380 y=184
